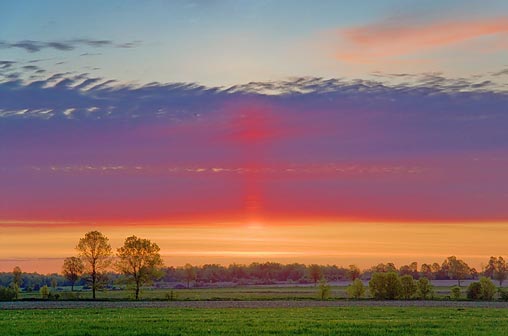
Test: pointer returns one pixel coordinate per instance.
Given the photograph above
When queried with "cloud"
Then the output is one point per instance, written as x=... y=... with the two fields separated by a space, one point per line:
x=401 y=37
x=433 y=148
x=37 y=46
x=6 y=64
x=501 y=73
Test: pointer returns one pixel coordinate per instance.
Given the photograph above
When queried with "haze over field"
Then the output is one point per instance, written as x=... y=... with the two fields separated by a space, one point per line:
x=239 y=131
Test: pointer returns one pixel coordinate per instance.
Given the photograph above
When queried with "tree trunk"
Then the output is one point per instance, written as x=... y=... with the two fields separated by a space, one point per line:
x=93 y=285
x=137 y=291
x=72 y=286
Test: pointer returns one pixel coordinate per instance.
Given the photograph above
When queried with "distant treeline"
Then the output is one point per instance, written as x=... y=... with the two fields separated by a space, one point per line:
x=451 y=268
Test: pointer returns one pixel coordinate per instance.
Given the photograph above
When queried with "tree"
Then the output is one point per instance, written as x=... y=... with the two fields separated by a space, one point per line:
x=488 y=289
x=324 y=289
x=501 y=271
x=16 y=279
x=408 y=287
x=190 y=273
x=385 y=285
x=424 y=288
x=315 y=273
x=95 y=252
x=474 y=291
x=426 y=271
x=457 y=268
x=353 y=272
x=140 y=260
x=455 y=292
x=356 y=290
x=72 y=269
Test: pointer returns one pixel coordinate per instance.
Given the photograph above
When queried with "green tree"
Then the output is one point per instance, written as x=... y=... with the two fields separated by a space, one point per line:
x=140 y=260
x=315 y=273
x=356 y=289
x=16 y=280
x=425 y=288
x=385 y=285
x=474 y=291
x=44 y=291
x=72 y=269
x=95 y=252
x=488 y=289
x=408 y=287
x=455 y=292
x=324 y=289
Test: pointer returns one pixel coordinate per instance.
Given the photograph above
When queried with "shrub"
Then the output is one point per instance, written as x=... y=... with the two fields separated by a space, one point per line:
x=474 y=291
x=324 y=290
x=44 y=291
x=408 y=287
x=488 y=288
x=424 y=288
x=7 y=294
x=385 y=286
x=455 y=292
x=356 y=290
x=503 y=294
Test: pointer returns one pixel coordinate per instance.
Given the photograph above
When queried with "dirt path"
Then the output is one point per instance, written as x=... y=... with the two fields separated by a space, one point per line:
x=241 y=304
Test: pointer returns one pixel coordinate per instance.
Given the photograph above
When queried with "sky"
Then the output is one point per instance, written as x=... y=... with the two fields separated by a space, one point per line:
x=332 y=132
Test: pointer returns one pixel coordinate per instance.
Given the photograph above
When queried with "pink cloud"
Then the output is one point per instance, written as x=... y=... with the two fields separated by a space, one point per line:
x=389 y=39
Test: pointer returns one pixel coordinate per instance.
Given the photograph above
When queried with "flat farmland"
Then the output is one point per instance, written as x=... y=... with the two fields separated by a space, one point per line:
x=353 y=320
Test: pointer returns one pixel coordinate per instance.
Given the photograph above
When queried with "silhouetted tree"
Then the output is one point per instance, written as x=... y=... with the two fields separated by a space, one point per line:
x=457 y=268
x=95 y=252
x=190 y=274
x=72 y=269
x=140 y=260
x=315 y=273
x=353 y=272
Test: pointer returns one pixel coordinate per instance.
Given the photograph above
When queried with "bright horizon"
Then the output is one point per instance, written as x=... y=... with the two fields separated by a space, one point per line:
x=239 y=131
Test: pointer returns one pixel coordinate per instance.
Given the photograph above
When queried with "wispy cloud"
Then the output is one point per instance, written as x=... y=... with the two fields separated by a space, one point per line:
x=400 y=37
x=67 y=45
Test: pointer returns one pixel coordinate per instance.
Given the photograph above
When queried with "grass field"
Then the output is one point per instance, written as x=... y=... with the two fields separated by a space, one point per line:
x=229 y=293
x=274 y=321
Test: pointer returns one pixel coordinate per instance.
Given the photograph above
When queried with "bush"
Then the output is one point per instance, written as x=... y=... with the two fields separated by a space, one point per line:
x=324 y=290
x=7 y=294
x=488 y=288
x=424 y=288
x=455 y=292
x=356 y=290
x=503 y=294
x=385 y=286
x=474 y=291
x=44 y=291
x=408 y=287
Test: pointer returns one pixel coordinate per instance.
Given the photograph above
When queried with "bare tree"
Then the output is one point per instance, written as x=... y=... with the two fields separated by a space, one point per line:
x=95 y=252
x=72 y=269
x=140 y=260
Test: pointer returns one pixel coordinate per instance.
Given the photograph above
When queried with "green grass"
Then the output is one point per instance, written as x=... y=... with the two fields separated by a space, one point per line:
x=233 y=293
x=276 y=321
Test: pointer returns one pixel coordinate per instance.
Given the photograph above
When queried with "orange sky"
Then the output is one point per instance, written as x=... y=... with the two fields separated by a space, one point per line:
x=360 y=243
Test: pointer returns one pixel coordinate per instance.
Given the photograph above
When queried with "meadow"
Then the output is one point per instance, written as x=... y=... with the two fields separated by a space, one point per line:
x=254 y=292
x=256 y=321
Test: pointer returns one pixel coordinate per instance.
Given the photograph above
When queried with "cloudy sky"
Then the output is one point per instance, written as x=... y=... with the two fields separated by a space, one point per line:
x=233 y=131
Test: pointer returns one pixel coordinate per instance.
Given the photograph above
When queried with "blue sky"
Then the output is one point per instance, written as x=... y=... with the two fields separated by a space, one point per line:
x=227 y=42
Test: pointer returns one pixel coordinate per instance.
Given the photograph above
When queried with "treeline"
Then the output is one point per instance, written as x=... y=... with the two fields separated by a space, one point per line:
x=272 y=272
x=138 y=262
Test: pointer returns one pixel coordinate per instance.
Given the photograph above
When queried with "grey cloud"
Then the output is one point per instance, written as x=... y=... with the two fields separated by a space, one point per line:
x=36 y=46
